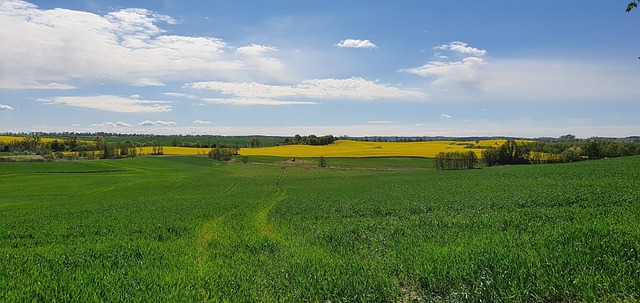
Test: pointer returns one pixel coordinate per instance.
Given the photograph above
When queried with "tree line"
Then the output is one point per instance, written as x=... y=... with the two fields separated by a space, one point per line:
x=310 y=140
x=456 y=160
x=74 y=148
x=512 y=152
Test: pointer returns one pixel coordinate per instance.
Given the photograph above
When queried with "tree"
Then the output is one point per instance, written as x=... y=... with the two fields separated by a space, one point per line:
x=322 y=162
x=221 y=154
x=572 y=154
x=631 y=6
x=455 y=160
x=254 y=143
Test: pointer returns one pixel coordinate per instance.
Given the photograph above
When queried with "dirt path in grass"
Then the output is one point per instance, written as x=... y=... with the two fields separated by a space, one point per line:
x=262 y=217
x=246 y=214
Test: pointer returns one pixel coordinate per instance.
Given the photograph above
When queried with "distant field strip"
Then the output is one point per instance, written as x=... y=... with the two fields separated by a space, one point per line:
x=8 y=139
x=360 y=149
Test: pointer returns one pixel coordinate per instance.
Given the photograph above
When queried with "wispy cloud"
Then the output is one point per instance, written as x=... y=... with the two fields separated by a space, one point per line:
x=109 y=124
x=445 y=116
x=356 y=43
x=474 y=77
x=466 y=71
x=5 y=107
x=156 y=123
x=111 y=103
x=381 y=122
x=181 y=95
x=201 y=122
x=253 y=101
x=252 y=93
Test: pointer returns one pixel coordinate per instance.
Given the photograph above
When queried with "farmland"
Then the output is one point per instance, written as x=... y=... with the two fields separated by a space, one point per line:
x=192 y=229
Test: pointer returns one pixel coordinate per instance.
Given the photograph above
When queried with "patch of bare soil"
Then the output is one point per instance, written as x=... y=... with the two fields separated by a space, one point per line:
x=294 y=162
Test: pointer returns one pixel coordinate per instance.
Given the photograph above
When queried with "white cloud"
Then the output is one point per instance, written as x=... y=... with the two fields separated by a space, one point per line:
x=111 y=103
x=463 y=72
x=53 y=48
x=475 y=78
x=255 y=50
x=253 y=101
x=462 y=48
x=325 y=89
x=181 y=95
x=5 y=107
x=147 y=82
x=356 y=43
x=156 y=123
x=201 y=122
x=445 y=116
x=109 y=124
x=76 y=125
x=466 y=71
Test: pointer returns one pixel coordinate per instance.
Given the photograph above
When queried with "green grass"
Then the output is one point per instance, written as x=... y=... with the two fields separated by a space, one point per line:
x=184 y=229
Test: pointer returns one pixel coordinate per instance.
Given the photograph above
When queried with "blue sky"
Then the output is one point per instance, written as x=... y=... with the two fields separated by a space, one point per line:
x=358 y=68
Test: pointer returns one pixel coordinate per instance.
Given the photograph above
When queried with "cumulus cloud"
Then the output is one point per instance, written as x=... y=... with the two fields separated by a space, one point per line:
x=255 y=49
x=466 y=71
x=356 y=43
x=51 y=48
x=5 y=107
x=156 y=123
x=462 y=48
x=324 y=89
x=201 y=122
x=111 y=103
x=109 y=124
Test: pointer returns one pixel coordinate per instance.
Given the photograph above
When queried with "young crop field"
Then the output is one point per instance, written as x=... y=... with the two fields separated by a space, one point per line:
x=190 y=229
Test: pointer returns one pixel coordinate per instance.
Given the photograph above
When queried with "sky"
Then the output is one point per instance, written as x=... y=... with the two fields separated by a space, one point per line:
x=356 y=68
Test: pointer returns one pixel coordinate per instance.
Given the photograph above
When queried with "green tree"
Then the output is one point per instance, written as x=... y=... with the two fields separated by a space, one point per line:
x=572 y=154
x=322 y=162
x=221 y=154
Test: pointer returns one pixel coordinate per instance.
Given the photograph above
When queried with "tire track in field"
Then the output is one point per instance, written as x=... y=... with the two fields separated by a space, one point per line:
x=313 y=176
x=230 y=188
x=206 y=234
x=214 y=228
x=262 y=217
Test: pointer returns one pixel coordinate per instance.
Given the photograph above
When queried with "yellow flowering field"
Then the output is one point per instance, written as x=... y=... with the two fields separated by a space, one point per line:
x=359 y=149
x=8 y=139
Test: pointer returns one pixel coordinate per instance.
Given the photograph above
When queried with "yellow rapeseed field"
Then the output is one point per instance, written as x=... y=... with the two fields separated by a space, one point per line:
x=8 y=139
x=360 y=149
x=340 y=148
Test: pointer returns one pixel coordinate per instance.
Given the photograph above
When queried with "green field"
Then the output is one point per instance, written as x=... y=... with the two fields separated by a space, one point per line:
x=187 y=229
